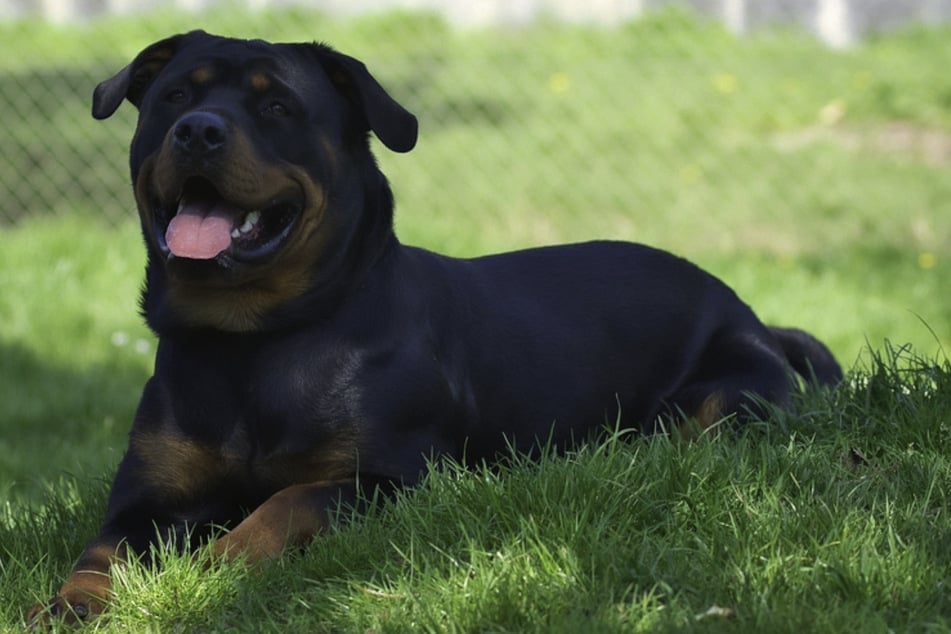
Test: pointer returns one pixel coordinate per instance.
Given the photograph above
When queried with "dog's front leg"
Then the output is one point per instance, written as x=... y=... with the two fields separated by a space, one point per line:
x=154 y=496
x=86 y=590
x=289 y=518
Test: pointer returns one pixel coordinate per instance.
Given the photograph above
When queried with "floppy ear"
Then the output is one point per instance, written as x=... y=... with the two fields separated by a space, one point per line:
x=131 y=82
x=395 y=126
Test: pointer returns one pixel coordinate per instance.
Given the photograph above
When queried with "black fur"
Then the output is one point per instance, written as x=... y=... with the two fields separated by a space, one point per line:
x=338 y=354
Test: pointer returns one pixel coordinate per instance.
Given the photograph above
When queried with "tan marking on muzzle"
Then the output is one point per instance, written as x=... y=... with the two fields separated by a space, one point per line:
x=248 y=183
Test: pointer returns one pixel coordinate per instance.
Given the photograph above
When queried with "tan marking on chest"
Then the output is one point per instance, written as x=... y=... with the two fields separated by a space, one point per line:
x=177 y=466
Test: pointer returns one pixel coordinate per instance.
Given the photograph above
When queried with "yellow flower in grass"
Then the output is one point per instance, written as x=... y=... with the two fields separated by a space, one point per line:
x=791 y=87
x=725 y=83
x=786 y=261
x=862 y=80
x=926 y=260
x=691 y=173
x=559 y=83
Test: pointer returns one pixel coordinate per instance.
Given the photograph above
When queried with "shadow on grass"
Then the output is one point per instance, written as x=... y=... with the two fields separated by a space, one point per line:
x=58 y=420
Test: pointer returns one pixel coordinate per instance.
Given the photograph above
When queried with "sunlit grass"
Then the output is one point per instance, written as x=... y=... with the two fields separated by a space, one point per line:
x=833 y=517
x=734 y=152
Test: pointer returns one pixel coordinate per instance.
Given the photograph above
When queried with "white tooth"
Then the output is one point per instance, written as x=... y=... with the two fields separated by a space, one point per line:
x=249 y=221
x=235 y=233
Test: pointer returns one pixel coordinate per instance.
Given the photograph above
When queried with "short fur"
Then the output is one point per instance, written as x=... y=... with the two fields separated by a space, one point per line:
x=321 y=352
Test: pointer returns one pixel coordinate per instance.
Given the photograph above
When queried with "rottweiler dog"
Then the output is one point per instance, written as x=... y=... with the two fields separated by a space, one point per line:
x=307 y=359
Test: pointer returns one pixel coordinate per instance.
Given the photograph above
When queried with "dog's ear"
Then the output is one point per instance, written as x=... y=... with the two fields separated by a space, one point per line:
x=132 y=81
x=395 y=126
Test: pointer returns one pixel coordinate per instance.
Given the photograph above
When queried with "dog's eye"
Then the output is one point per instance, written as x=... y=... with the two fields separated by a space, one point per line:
x=276 y=109
x=175 y=96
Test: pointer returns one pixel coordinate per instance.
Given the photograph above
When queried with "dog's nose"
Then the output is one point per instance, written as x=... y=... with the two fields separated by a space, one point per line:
x=201 y=133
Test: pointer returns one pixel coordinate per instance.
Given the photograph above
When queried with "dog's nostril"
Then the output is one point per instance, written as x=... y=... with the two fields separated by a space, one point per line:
x=214 y=137
x=201 y=132
x=183 y=133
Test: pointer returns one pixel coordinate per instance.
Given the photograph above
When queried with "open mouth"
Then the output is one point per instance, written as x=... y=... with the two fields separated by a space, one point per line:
x=203 y=225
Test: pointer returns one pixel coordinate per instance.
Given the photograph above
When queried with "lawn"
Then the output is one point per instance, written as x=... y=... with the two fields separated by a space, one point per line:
x=813 y=181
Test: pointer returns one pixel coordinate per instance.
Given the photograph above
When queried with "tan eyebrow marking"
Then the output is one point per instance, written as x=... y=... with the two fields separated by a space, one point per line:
x=260 y=82
x=201 y=75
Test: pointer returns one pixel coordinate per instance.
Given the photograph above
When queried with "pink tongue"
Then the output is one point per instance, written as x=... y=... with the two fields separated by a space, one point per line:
x=199 y=233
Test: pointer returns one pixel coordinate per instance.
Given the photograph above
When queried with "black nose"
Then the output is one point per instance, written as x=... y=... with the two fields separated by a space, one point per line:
x=201 y=133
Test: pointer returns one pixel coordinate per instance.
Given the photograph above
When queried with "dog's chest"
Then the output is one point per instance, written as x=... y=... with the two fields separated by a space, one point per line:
x=280 y=413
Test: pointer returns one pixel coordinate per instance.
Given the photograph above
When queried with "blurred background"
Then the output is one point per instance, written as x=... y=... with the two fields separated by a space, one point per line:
x=799 y=149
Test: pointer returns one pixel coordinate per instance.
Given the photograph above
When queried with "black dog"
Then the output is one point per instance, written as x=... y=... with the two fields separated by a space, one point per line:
x=303 y=349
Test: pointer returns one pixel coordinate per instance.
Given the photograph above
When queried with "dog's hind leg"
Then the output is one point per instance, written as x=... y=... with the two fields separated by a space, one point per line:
x=808 y=356
x=736 y=374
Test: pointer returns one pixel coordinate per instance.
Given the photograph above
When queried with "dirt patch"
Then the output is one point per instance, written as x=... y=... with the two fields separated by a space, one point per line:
x=928 y=145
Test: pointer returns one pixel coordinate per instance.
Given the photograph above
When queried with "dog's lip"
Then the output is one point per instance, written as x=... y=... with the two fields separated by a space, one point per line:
x=257 y=229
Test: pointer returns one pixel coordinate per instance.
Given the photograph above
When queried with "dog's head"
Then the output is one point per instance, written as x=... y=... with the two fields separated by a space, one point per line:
x=252 y=172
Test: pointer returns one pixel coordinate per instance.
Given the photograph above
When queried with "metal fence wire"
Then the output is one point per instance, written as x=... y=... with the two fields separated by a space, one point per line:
x=666 y=111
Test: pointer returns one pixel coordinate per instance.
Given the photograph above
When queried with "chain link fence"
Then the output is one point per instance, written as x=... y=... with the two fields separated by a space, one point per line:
x=646 y=125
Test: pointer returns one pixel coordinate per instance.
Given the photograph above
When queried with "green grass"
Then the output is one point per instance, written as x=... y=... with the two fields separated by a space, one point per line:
x=668 y=131
x=834 y=517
